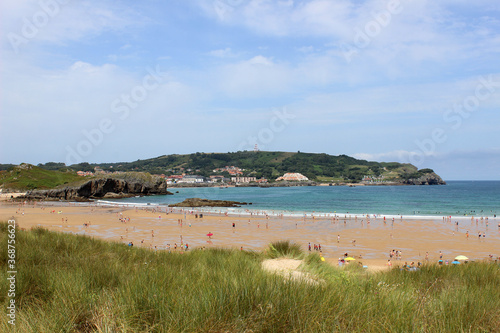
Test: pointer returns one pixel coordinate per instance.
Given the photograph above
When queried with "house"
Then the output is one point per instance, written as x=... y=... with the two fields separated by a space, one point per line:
x=217 y=179
x=99 y=171
x=232 y=170
x=173 y=179
x=84 y=173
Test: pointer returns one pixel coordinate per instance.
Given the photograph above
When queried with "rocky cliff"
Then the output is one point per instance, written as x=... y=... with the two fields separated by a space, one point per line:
x=102 y=188
x=426 y=179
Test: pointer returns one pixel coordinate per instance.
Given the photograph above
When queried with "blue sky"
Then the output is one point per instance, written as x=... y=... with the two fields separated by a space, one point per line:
x=395 y=80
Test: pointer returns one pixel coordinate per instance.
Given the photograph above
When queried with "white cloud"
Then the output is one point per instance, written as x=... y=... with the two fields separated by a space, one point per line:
x=57 y=105
x=254 y=77
x=401 y=156
x=306 y=49
x=283 y=17
x=415 y=31
x=223 y=53
x=29 y=23
x=473 y=164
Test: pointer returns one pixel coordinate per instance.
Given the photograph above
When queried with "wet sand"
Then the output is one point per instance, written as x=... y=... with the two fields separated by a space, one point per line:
x=373 y=241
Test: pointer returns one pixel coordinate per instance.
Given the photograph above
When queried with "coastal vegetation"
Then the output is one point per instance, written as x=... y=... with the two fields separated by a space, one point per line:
x=267 y=164
x=260 y=164
x=29 y=177
x=68 y=283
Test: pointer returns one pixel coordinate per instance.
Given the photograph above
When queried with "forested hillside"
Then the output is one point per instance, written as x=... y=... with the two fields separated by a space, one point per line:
x=322 y=167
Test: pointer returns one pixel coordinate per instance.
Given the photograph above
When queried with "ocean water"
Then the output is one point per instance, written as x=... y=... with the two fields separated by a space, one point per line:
x=457 y=198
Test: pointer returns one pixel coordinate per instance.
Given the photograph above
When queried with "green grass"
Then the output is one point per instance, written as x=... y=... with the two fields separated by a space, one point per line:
x=329 y=179
x=284 y=249
x=29 y=177
x=68 y=283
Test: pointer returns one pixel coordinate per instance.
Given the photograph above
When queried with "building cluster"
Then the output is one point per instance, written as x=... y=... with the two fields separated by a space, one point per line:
x=373 y=179
x=232 y=170
x=84 y=173
x=195 y=179
x=235 y=172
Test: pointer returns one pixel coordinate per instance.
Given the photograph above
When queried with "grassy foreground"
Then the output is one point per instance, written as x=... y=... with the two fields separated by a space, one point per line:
x=69 y=283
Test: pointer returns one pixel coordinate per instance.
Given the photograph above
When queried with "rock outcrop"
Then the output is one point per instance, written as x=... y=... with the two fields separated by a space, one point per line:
x=197 y=202
x=102 y=188
x=426 y=179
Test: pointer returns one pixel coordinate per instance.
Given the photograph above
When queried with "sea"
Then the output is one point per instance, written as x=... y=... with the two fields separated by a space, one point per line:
x=456 y=199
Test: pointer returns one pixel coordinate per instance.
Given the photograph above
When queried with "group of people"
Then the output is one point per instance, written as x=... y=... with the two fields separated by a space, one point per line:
x=395 y=254
x=316 y=247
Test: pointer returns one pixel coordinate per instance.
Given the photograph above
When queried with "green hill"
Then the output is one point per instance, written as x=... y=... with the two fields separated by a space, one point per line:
x=29 y=177
x=270 y=165
x=263 y=164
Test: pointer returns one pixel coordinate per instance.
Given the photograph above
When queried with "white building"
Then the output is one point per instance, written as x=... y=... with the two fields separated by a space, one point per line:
x=192 y=179
x=295 y=176
x=243 y=179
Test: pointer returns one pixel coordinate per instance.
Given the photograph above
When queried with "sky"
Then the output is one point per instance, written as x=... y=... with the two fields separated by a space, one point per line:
x=116 y=81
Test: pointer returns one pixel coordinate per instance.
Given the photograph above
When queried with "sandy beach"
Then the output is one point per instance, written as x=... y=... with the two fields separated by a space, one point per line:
x=370 y=243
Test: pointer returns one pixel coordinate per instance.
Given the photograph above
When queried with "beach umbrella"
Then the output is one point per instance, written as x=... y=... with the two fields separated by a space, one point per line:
x=461 y=257
x=349 y=259
x=455 y=262
x=210 y=234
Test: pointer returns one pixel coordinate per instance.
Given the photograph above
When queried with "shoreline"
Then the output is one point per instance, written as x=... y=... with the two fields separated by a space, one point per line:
x=247 y=211
x=151 y=227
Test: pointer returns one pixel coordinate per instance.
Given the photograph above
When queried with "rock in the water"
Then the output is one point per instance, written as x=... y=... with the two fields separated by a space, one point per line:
x=197 y=202
x=426 y=179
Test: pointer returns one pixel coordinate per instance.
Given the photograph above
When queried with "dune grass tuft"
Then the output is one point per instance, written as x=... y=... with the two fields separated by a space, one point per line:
x=286 y=249
x=68 y=283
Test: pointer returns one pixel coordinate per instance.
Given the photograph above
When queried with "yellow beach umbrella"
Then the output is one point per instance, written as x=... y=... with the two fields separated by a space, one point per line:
x=349 y=258
x=461 y=257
